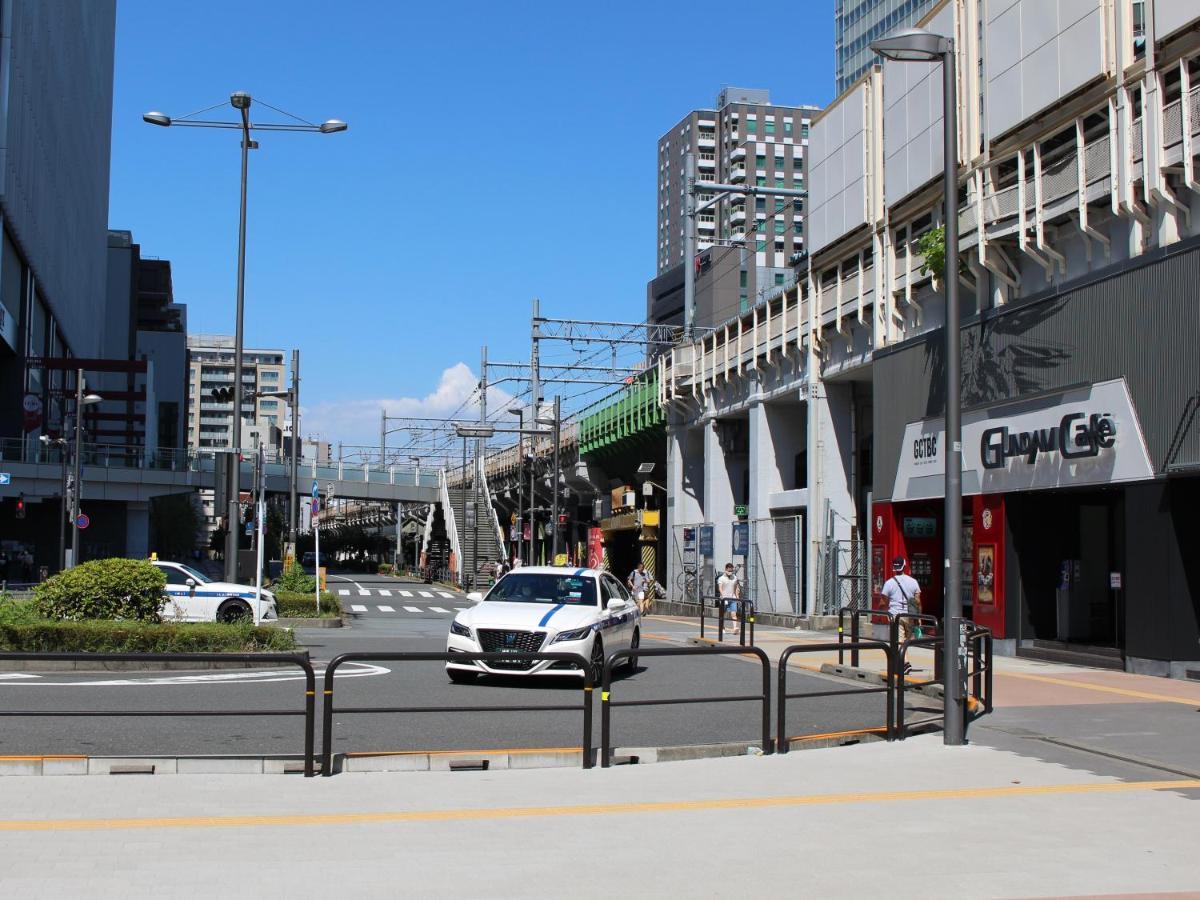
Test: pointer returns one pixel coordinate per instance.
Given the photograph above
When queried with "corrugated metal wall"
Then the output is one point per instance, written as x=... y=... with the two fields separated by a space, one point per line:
x=1142 y=323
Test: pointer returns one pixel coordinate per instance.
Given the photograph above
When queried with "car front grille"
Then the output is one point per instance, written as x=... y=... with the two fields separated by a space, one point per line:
x=500 y=641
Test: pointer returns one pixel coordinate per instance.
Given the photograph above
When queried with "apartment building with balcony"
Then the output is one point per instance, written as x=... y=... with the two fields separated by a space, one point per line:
x=1079 y=219
x=210 y=367
x=746 y=246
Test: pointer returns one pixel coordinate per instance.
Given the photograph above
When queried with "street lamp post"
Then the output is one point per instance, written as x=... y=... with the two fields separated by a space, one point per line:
x=62 y=445
x=81 y=400
x=416 y=460
x=240 y=101
x=918 y=45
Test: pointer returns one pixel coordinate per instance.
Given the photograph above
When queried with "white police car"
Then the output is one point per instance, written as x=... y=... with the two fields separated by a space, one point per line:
x=560 y=610
x=192 y=596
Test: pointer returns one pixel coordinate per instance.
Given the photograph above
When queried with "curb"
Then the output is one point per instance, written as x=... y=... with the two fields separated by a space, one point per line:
x=780 y=620
x=53 y=666
x=153 y=765
x=298 y=622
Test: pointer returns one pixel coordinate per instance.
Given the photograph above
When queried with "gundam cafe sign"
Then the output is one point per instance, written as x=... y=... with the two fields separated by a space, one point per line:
x=1087 y=435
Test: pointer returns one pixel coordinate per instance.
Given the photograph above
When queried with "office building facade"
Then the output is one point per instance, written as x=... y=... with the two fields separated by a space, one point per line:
x=859 y=22
x=210 y=421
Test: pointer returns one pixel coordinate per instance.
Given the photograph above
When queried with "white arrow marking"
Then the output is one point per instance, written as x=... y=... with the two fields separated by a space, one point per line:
x=349 y=670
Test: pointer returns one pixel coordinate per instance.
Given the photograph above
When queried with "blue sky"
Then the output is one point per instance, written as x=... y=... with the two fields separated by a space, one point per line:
x=496 y=152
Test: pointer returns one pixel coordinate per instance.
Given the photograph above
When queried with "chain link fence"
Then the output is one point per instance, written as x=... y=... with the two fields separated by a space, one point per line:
x=842 y=576
x=775 y=564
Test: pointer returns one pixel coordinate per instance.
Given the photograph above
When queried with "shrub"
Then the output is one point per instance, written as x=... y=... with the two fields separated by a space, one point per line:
x=303 y=606
x=142 y=637
x=16 y=612
x=386 y=569
x=295 y=580
x=103 y=589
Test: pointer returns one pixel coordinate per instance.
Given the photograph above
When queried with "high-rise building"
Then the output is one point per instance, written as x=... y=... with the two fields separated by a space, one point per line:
x=858 y=22
x=746 y=246
x=210 y=368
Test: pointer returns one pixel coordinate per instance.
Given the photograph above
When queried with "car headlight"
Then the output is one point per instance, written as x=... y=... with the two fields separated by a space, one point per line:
x=577 y=634
x=460 y=629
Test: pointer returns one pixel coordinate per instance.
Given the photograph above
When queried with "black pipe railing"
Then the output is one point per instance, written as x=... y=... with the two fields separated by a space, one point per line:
x=782 y=741
x=366 y=656
x=607 y=703
x=262 y=659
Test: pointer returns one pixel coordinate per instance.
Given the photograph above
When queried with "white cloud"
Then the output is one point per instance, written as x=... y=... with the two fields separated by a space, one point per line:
x=357 y=421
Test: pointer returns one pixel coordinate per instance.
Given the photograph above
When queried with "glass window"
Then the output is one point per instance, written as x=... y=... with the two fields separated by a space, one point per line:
x=779 y=281
x=760 y=203
x=760 y=245
x=780 y=226
x=780 y=204
x=787 y=127
x=517 y=587
x=760 y=161
x=779 y=181
x=803 y=131
x=769 y=126
x=742 y=279
x=752 y=125
x=761 y=181
x=743 y=303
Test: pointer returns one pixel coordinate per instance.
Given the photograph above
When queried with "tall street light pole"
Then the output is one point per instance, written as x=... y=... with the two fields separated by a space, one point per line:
x=918 y=45
x=241 y=101
x=293 y=498
x=81 y=400
x=520 y=414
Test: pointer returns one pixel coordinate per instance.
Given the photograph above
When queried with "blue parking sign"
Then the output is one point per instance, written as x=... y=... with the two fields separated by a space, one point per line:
x=741 y=538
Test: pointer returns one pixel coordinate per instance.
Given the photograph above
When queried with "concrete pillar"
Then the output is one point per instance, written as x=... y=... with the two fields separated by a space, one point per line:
x=831 y=447
x=718 y=494
x=137 y=529
x=685 y=493
x=765 y=477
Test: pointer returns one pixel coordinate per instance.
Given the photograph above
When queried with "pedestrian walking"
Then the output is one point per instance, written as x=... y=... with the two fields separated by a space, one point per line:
x=903 y=595
x=638 y=583
x=729 y=589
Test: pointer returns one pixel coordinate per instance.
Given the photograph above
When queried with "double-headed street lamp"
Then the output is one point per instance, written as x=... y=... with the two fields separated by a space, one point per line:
x=919 y=45
x=75 y=490
x=240 y=101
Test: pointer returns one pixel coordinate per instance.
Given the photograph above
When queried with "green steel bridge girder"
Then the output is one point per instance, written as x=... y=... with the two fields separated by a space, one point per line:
x=628 y=413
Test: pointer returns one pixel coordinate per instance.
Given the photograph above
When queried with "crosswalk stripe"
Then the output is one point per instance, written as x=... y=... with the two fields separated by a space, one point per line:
x=358 y=608
x=447 y=596
x=385 y=609
x=385 y=593
x=413 y=608
x=405 y=593
x=364 y=593
x=439 y=609
x=425 y=593
x=344 y=593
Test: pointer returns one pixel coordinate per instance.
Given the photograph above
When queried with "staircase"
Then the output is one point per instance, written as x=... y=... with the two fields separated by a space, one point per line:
x=478 y=545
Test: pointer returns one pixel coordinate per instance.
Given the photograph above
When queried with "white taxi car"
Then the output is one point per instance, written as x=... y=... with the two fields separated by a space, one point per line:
x=560 y=610
x=192 y=596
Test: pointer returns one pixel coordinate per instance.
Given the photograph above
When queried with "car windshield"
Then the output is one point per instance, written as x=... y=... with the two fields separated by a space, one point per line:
x=192 y=573
x=518 y=587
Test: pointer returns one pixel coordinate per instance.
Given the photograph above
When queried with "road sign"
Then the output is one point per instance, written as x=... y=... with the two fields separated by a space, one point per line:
x=741 y=538
x=5 y=478
x=706 y=541
x=82 y=521
x=741 y=511
x=315 y=490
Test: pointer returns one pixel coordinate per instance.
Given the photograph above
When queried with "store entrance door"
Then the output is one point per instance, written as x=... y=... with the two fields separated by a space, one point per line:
x=1068 y=545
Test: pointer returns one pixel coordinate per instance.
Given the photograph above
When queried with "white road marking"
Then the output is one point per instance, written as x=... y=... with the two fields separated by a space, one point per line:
x=405 y=593
x=344 y=593
x=447 y=596
x=364 y=593
x=385 y=609
x=358 y=608
x=351 y=580
x=439 y=609
x=7 y=675
x=425 y=593
x=412 y=609
x=385 y=593
x=348 y=670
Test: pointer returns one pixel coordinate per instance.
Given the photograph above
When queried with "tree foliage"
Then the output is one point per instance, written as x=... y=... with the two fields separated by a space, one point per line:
x=103 y=589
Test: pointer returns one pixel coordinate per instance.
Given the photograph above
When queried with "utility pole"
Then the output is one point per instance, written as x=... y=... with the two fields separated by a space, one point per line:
x=382 y=437
x=535 y=386
x=689 y=246
x=554 y=477
x=477 y=479
x=75 y=497
x=293 y=499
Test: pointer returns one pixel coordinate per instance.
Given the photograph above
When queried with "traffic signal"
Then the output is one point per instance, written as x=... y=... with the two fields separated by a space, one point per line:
x=562 y=518
x=21 y=506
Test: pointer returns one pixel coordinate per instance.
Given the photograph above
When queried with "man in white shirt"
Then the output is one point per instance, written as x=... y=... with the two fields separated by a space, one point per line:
x=729 y=589
x=900 y=591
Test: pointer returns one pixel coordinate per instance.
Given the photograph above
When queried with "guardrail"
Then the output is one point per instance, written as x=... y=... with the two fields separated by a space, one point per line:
x=308 y=712
x=782 y=741
x=607 y=703
x=978 y=674
x=328 y=708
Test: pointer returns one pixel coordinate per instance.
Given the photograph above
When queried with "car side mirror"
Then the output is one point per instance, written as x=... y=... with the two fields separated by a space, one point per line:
x=191 y=582
x=616 y=603
x=475 y=597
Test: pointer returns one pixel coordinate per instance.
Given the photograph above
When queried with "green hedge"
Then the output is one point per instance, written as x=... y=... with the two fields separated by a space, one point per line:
x=295 y=580
x=304 y=606
x=103 y=589
x=142 y=637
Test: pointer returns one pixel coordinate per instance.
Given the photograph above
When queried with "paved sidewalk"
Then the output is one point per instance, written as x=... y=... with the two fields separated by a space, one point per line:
x=872 y=819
